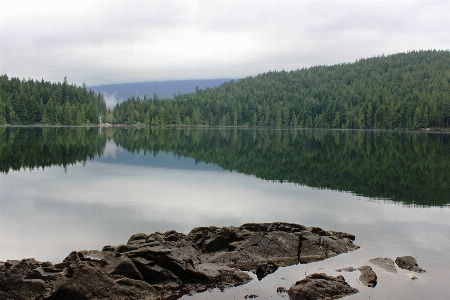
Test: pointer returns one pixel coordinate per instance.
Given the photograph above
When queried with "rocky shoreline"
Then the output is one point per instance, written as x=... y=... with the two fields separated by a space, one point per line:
x=171 y=264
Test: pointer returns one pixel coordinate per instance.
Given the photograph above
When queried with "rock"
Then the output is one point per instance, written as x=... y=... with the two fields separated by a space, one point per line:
x=109 y=248
x=88 y=282
x=386 y=264
x=26 y=279
x=221 y=276
x=125 y=267
x=211 y=239
x=137 y=238
x=368 y=277
x=153 y=273
x=171 y=264
x=283 y=244
x=349 y=269
x=408 y=263
x=320 y=286
x=265 y=269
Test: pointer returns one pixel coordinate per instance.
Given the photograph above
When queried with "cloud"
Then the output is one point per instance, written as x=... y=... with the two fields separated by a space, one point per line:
x=100 y=42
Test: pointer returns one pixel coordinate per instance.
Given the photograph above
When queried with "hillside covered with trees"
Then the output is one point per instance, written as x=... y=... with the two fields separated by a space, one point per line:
x=401 y=91
x=32 y=102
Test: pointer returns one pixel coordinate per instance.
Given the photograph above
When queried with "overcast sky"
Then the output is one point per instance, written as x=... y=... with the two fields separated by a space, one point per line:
x=101 y=42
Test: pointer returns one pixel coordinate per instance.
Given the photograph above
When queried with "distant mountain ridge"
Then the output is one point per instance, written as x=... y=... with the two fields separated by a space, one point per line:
x=163 y=89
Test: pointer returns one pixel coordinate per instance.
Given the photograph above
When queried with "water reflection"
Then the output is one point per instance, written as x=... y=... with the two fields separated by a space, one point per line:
x=410 y=167
x=99 y=188
x=103 y=203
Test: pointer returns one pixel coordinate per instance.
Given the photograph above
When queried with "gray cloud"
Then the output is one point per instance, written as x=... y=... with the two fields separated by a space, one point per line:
x=101 y=42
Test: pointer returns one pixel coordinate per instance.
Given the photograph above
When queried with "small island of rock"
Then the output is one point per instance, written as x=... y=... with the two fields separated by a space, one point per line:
x=171 y=264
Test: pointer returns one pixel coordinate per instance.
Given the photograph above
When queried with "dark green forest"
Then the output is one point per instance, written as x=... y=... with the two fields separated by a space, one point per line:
x=401 y=91
x=41 y=102
x=408 y=167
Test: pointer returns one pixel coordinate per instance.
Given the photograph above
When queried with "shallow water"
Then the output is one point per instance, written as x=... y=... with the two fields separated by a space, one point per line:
x=47 y=213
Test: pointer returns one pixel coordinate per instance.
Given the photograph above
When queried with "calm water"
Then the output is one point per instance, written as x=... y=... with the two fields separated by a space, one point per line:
x=64 y=189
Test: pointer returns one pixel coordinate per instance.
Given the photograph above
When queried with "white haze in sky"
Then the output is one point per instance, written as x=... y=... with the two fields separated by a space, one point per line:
x=101 y=42
x=111 y=99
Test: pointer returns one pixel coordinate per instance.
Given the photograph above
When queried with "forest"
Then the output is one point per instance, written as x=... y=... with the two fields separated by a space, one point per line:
x=400 y=91
x=25 y=102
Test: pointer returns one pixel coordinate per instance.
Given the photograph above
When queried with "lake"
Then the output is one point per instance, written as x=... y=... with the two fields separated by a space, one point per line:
x=64 y=189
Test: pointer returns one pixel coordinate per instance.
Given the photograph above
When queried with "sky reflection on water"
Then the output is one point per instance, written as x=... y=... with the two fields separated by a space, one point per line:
x=47 y=214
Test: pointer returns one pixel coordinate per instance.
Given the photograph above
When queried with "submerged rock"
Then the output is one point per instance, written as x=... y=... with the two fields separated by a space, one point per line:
x=171 y=264
x=408 y=263
x=368 y=277
x=348 y=269
x=386 y=264
x=320 y=286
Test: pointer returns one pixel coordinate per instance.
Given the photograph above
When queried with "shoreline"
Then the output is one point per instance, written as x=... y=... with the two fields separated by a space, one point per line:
x=430 y=130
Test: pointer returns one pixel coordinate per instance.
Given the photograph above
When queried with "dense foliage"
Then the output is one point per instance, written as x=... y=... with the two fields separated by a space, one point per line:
x=32 y=102
x=402 y=91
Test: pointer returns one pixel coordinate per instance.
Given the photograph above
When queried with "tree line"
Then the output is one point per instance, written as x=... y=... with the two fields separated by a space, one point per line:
x=41 y=102
x=401 y=91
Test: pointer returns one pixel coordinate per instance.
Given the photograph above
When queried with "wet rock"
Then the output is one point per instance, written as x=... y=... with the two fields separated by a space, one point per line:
x=408 y=263
x=265 y=269
x=222 y=275
x=171 y=264
x=349 y=269
x=386 y=264
x=320 y=286
x=368 y=277
x=283 y=244
x=319 y=247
